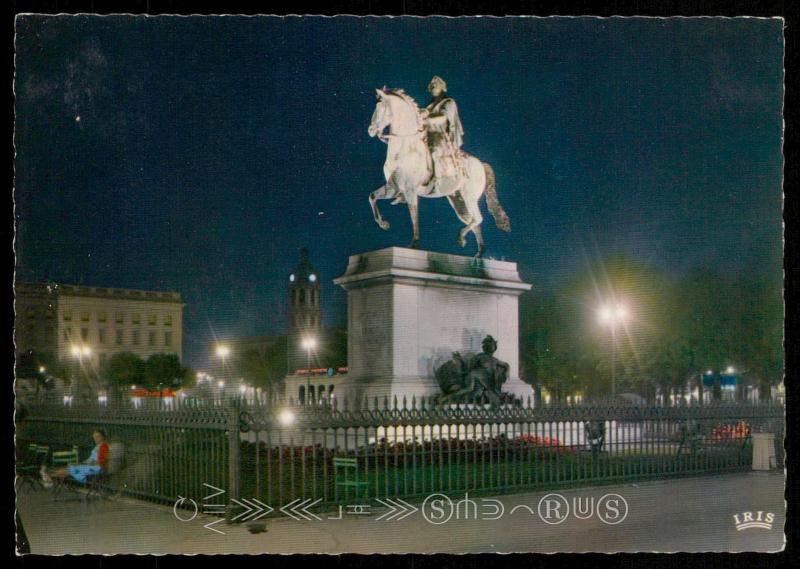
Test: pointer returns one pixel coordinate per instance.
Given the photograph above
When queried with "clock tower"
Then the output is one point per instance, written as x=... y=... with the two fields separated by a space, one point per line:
x=305 y=316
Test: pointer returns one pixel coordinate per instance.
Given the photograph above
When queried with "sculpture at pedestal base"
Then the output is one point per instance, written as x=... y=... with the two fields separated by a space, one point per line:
x=479 y=378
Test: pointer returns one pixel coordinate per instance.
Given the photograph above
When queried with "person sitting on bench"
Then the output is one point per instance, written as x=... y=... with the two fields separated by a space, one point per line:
x=97 y=463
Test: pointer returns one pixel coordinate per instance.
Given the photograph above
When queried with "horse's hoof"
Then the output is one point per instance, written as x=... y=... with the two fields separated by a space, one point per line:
x=383 y=224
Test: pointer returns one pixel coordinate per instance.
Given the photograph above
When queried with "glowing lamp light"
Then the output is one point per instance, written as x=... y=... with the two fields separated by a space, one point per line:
x=223 y=351
x=291 y=278
x=312 y=278
x=286 y=417
x=242 y=388
x=731 y=370
x=611 y=314
x=76 y=350
x=42 y=369
x=220 y=384
x=309 y=343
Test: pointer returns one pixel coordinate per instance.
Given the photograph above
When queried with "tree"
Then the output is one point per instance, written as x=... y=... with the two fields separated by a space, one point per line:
x=125 y=369
x=550 y=355
x=265 y=369
x=28 y=364
x=163 y=369
x=334 y=352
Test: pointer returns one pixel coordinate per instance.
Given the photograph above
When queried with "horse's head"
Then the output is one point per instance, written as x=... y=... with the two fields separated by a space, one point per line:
x=382 y=115
x=396 y=110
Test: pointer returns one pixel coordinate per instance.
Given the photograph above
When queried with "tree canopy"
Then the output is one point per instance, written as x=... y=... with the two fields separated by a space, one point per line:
x=676 y=328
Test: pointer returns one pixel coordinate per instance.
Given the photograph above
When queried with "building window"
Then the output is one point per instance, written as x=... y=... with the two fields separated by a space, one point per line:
x=102 y=316
x=312 y=296
x=67 y=315
x=168 y=339
x=136 y=337
x=84 y=334
x=119 y=338
x=101 y=335
x=168 y=320
x=85 y=316
x=301 y=393
x=120 y=317
x=151 y=339
x=137 y=318
x=302 y=296
x=151 y=319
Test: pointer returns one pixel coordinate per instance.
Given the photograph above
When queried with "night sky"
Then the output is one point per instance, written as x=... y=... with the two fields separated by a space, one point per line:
x=199 y=154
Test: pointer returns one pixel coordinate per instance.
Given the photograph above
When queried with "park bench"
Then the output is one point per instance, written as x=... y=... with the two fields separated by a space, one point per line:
x=32 y=461
x=345 y=473
x=693 y=441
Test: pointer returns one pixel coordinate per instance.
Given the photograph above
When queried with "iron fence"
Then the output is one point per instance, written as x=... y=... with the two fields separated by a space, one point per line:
x=162 y=453
x=330 y=454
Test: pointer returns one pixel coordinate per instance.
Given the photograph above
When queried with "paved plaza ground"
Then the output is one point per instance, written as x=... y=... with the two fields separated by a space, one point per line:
x=688 y=514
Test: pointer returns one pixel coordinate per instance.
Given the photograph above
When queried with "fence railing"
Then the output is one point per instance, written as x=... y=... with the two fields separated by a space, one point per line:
x=334 y=454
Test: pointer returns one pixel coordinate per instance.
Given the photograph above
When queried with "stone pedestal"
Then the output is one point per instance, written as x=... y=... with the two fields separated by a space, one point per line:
x=409 y=310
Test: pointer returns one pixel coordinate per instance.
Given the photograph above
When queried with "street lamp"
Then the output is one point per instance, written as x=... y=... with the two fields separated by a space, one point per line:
x=223 y=352
x=611 y=315
x=308 y=343
x=79 y=352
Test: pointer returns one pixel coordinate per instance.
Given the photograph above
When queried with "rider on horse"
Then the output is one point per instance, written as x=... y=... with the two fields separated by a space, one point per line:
x=445 y=135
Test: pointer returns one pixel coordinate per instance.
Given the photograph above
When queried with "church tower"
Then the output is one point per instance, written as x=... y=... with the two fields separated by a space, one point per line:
x=305 y=315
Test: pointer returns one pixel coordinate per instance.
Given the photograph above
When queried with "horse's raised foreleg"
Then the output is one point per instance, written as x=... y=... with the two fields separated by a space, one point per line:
x=383 y=193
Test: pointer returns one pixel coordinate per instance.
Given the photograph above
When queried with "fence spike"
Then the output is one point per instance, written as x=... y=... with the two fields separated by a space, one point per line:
x=414 y=402
x=405 y=406
x=385 y=402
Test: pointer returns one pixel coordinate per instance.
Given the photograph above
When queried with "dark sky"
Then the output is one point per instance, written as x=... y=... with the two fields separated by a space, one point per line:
x=199 y=154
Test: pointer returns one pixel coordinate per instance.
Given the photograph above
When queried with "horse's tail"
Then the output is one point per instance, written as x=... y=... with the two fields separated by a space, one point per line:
x=497 y=211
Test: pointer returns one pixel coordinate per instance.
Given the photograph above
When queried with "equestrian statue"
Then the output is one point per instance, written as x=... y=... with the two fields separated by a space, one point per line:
x=424 y=159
